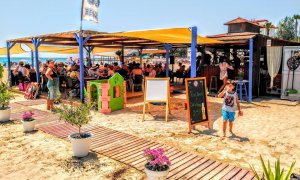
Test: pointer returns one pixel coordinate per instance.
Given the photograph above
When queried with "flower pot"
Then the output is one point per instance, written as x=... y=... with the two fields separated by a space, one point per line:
x=5 y=115
x=156 y=175
x=28 y=126
x=80 y=146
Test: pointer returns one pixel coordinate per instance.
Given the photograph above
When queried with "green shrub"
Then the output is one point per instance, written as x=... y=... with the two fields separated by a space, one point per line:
x=268 y=174
x=75 y=115
x=1 y=71
x=5 y=95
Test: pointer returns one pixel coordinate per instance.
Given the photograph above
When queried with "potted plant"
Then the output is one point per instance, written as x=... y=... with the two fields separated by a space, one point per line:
x=5 y=97
x=158 y=165
x=268 y=174
x=77 y=116
x=28 y=122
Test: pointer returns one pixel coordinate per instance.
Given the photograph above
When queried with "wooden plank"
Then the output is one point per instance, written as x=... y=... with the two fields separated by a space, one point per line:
x=133 y=151
x=141 y=153
x=215 y=171
x=178 y=165
x=206 y=170
x=198 y=169
x=120 y=140
x=250 y=175
x=177 y=172
x=125 y=151
x=120 y=146
x=240 y=175
x=140 y=166
x=99 y=140
x=231 y=173
x=223 y=172
x=136 y=156
x=170 y=153
x=115 y=144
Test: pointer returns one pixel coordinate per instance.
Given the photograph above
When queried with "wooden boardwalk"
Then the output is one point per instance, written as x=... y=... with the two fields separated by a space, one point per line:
x=128 y=149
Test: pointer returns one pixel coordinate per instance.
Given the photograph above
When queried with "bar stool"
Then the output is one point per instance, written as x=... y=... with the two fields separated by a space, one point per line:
x=241 y=85
x=215 y=80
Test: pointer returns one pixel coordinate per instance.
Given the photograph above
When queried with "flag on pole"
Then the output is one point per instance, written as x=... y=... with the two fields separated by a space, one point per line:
x=90 y=9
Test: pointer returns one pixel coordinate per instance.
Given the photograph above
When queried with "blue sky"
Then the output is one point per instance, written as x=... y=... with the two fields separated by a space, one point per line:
x=32 y=17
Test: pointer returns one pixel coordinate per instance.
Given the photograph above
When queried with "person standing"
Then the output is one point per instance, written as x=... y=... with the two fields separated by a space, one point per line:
x=223 y=71
x=52 y=85
x=230 y=103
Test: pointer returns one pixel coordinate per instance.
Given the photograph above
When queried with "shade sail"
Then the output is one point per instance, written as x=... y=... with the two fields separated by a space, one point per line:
x=16 y=49
x=56 y=49
x=170 y=36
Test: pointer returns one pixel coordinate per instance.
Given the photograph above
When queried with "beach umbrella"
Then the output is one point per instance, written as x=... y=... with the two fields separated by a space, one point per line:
x=146 y=57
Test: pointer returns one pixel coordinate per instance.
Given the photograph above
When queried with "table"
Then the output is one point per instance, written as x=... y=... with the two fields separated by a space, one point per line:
x=240 y=84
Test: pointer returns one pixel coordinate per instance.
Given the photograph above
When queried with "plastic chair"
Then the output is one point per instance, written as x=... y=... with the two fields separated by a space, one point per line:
x=138 y=81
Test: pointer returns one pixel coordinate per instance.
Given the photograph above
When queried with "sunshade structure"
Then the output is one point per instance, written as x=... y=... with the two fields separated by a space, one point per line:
x=17 y=49
x=91 y=40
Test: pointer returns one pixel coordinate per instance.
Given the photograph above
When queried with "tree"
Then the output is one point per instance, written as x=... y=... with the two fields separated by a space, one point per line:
x=180 y=52
x=286 y=29
x=268 y=26
x=296 y=17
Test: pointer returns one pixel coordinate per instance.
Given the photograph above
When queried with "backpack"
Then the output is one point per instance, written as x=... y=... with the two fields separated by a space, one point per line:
x=31 y=91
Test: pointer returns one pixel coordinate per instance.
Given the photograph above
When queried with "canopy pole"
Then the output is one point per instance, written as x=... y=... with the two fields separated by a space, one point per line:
x=81 y=41
x=193 y=51
x=250 y=70
x=122 y=57
x=32 y=59
x=36 y=43
x=89 y=49
x=9 y=45
x=168 y=47
x=141 y=57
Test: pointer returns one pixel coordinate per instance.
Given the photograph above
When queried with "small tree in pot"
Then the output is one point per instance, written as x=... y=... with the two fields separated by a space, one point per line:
x=158 y=165
x=78 y=116
x=5 y=97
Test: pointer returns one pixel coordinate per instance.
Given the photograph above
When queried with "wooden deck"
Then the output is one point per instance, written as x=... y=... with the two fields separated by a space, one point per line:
x=128 y=149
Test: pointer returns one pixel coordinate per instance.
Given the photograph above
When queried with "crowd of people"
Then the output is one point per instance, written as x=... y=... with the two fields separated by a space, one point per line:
x=68 y=73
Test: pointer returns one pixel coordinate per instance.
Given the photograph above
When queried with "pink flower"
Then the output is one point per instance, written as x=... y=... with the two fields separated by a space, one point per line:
x=27 y=115
x=157 y=157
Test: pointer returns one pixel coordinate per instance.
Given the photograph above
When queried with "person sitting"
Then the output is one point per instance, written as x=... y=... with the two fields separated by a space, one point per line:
x=110 y=71
x=124 y=71
x=21 y=73
x=116 y=67
x=152 y=73
x=136 y=71
x=31 y=76
x=148 y=69
x=93 y=72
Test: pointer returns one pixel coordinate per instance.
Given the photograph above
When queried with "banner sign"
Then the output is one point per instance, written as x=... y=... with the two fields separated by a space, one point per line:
x=90 y=9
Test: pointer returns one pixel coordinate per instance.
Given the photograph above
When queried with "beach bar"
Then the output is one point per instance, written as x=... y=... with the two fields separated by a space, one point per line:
x=158 y=38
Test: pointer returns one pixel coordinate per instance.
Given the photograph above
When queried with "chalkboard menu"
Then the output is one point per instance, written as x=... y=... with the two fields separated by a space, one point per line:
x=197 y=101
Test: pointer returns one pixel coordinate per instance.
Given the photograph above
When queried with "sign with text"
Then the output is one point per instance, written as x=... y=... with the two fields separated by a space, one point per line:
x=197 y=102
x=90 y=9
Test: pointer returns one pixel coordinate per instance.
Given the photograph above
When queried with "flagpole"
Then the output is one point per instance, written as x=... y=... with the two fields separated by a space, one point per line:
x=81 y=15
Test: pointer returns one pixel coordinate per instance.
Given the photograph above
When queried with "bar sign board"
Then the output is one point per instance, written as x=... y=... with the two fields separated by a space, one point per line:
x=197 y=102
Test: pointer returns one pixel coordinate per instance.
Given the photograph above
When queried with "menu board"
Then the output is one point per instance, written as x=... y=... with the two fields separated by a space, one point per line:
x=197 y=101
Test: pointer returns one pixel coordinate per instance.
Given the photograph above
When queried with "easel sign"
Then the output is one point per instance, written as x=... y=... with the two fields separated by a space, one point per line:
x=157 y=90
x=197 y=102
